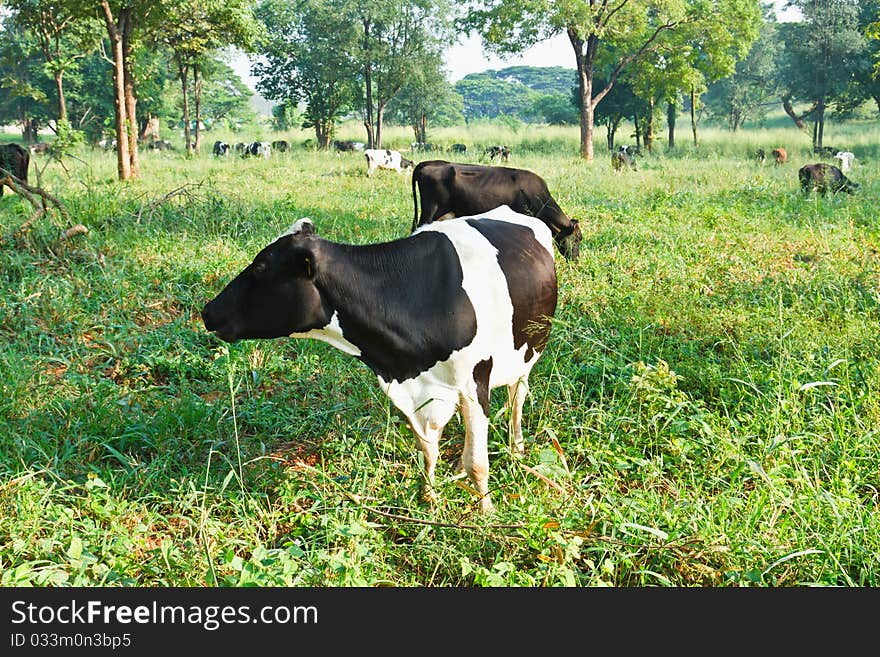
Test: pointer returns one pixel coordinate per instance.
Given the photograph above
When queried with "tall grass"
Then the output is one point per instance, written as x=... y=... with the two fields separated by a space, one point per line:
x=706 y=410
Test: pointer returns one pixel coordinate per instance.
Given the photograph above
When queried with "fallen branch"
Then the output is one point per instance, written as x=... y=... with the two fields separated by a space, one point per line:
x=184 y=190
x=29 y=193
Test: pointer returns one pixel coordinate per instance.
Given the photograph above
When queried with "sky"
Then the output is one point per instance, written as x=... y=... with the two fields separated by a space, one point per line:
x=467 y=55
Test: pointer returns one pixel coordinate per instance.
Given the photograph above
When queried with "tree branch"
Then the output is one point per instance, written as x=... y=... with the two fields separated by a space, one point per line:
x=626 y=60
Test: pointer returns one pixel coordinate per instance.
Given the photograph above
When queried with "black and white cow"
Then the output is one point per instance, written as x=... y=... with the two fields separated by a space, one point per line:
x=442 y=317
x=280 y=146
x=221 y=148
x=258 y=149
x=501 y=152
x=451 y=189
x=348 y=146
x=383 y=158
x=15 y=160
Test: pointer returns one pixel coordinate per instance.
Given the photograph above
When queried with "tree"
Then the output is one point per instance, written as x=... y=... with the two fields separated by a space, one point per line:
x=24 y=90
x=620 y=103
x=426 y=96
x=486 y=96
x=606 y=35
x=306 y=57
x=864 y=83
x=819 y=53
x=396 y=38
x=195 y=28
x=224 y=96
x=594 y=27
x=64 y=34
x=555 y=109
x=754 y=83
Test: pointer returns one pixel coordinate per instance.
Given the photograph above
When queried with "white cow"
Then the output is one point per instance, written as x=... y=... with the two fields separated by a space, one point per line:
x=382 y=158
x=846 y=159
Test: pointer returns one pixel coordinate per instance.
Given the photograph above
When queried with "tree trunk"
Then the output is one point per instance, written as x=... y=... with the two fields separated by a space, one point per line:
x=123 y=165
x=197 y=80
x=183 y=72
x=649 y=131
x=820 y=122
x=125 y=18
x=670 y=123
x=368 y=87
x=585 y=88
x=638 y=132
x=62 y=103
x=380 y=110
x=423 y=124
x=323 y=132
x=694 y=115
x=29 y=130
x=798 y=120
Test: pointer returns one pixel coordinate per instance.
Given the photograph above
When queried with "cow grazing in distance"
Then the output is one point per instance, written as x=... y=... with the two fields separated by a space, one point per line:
x=846 y=159
x=631 y=150
x=779 y=156
x=258 y=149
x=221 y=148
x=449 y=189
x=162 y=145
x=823 y=178
x=383 y=158
x=760 y=156
x=824 y=151
x=501 y=152
x=425 y=147
x=348 y=146
x=14 y=160
x=107 y=144
x=41 y=147
x=280 y=146
x=441 y=317
x=622 y=159
x=459 y=148
x=239 y=147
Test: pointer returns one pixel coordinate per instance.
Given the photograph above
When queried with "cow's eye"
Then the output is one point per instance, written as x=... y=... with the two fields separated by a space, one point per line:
x=259 y=268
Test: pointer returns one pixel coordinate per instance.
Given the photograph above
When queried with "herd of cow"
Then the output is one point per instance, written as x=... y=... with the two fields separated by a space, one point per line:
x=462 y=305
x=262 y=149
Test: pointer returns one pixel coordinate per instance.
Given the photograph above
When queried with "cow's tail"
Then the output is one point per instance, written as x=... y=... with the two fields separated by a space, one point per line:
x=415 y=223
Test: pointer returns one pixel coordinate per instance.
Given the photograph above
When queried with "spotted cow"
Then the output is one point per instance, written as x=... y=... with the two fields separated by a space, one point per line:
x=383 y=158
x=441 y=317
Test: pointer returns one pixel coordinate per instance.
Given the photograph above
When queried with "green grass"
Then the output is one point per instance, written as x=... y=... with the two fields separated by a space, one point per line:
x=711 y=382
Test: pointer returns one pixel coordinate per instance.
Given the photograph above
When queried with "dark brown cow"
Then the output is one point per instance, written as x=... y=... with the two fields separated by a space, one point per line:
x=15 y=160
x=823 y=177
x=450 y=189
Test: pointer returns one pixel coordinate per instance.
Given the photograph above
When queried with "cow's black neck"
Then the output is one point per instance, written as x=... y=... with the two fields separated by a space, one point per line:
x=400 y=303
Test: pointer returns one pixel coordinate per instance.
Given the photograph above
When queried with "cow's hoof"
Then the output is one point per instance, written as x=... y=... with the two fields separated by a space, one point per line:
x=428 y=495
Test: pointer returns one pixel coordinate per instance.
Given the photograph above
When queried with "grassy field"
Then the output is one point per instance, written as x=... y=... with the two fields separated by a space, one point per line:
x=707 y=412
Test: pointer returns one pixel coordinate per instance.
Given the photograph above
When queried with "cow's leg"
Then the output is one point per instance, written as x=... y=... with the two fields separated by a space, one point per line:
x=517 y=396
x=428 y=409
x=428 y=438
x=475 y=455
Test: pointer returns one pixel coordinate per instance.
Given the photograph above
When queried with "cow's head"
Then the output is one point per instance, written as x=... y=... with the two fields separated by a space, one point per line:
x=569 y=240
x=849 y=186
x=275 y=295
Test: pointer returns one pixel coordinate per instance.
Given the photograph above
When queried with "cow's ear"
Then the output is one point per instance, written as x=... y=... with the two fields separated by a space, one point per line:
x=303 y=263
